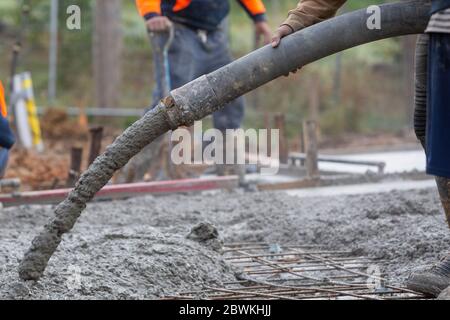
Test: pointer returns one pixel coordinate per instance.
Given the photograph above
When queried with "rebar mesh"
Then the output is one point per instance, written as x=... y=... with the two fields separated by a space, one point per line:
x=297 y=272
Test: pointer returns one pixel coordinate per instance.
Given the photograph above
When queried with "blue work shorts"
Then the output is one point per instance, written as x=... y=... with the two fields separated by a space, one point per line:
x=438 y=118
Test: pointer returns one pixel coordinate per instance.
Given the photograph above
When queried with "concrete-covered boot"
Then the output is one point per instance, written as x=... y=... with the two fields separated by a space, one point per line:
x=433 y=281
x=445 y=295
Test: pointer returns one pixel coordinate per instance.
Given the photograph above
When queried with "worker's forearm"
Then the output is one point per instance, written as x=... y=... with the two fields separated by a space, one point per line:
x=309 y=12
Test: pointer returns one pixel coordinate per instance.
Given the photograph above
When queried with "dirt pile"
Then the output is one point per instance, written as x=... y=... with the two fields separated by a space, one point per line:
x=57 y=125
x=49 y=169
x=38 y=170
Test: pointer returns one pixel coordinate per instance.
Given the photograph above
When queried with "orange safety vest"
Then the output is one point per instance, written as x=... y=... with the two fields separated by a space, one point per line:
x=154 y=6
x=203 y=14
x=3 y=107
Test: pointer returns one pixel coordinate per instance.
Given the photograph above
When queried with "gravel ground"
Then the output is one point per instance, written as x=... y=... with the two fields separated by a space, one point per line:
x=138 y=248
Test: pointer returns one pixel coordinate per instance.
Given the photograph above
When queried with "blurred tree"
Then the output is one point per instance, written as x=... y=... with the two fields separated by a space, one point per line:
x=408 y=53
x=107 y=51
x=74 y=58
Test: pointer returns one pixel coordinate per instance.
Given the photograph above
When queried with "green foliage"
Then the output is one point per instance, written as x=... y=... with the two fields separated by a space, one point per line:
x=369 y=102
x=75 y=47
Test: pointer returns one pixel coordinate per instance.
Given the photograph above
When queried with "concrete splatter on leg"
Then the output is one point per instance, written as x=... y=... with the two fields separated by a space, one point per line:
x=444 y=192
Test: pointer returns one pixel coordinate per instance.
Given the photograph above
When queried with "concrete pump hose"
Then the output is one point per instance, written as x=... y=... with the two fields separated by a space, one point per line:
x=209 y=93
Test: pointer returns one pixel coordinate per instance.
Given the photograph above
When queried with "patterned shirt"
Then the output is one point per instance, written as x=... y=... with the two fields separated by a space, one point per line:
x=439 y=22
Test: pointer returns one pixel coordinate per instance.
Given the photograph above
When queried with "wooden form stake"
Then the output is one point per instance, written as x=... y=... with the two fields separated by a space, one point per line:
x=268 y=126
x=76 y=156
x=280 y=124
x=96 y=143
x=311 y=145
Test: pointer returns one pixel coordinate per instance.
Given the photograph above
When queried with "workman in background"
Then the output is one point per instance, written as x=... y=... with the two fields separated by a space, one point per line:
x=6 y=135
x=201 y=46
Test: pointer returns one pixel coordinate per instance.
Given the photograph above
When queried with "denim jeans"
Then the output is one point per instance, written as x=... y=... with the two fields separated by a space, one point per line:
x=4 y=153
x=189 y=58
x=438 y=101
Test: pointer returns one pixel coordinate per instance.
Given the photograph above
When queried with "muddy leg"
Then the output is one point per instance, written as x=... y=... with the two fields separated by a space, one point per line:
x=435 y=279
x=420 y=97
x=444 y=191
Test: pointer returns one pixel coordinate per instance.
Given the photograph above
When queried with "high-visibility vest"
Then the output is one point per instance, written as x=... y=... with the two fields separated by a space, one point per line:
x=6 y=135
x=198 y=14
x=3 y=107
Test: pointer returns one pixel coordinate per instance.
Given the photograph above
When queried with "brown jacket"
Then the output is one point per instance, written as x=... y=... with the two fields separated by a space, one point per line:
x=309 y=12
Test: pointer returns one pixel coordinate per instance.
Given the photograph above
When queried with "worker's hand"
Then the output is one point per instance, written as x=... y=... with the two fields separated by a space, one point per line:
x=262 y=30
x=159 y=24
x=281 y=32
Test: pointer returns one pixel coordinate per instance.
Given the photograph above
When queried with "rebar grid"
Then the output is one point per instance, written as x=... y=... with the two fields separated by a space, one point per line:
x=295 y=272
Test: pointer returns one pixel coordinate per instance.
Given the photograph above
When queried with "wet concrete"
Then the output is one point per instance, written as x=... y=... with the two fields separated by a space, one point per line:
x=445 y=295
x=127 y=145
x=396 y=162
x=111 y=256
x=138 y=248
x=364 y=188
